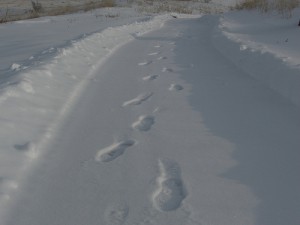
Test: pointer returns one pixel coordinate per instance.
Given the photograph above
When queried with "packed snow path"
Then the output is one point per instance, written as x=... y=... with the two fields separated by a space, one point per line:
x=168 y=131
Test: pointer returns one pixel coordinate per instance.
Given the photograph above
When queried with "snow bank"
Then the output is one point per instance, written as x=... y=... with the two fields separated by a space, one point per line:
x=26 y=42
x=265 y=46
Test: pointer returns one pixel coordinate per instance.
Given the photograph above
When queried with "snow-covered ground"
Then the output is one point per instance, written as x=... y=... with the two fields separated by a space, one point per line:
x=115 y=117
x=43 y=74
x=262 y=40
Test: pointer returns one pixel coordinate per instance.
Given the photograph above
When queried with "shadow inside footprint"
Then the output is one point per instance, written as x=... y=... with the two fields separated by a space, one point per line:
x=22 y=147
x=144 y=123
x=175 y=87
x=170 y=195
x=116 y=214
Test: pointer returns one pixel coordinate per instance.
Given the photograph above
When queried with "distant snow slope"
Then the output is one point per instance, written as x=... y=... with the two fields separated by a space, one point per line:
x=263 y=38
x=16 y=9
x=29 y=42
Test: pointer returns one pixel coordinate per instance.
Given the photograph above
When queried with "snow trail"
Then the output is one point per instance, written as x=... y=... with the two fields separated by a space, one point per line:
x=40 y=98
x=204 y=119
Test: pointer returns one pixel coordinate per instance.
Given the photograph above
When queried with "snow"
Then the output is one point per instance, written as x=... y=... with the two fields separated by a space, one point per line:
x=41 y=38
x=37 y=93
x=144 y=119
x=261 y=39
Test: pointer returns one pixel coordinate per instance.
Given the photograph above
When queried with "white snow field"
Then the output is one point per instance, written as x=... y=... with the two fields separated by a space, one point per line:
x=150 y=120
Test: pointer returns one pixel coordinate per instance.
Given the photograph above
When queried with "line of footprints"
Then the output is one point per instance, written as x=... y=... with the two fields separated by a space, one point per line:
x=170 y=190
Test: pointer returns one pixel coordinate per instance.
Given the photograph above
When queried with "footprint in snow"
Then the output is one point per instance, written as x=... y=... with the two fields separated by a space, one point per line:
x=144 y=123
x=170 y=190
x=165 y=69
x=116 y=214
x=150 y=77
x=153 y=53
x=175 y=87
x=26 y=86
x=23 y=147
x=138 y=100
x=29 y=148
x=7 y=184
x=15 y=67
x=113 y=151
x=145 y=63
x=161 y=58
x=243 y=47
